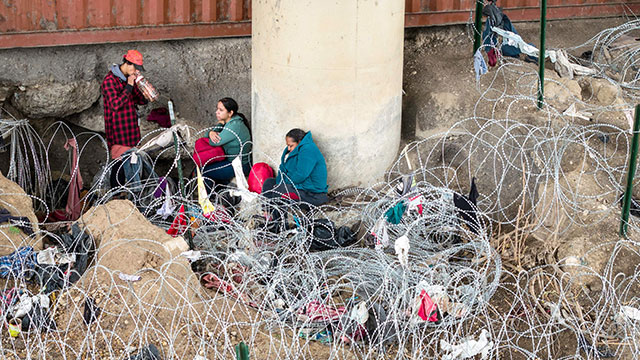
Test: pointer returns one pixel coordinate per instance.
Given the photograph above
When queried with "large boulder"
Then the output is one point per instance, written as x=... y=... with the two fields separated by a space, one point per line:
x=166 y=302
x=601 y=92
x=56 y=99
x=18 y=203
x=562 y=93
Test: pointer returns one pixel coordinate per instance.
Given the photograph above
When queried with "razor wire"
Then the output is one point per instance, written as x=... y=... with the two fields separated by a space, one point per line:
x=247 y=281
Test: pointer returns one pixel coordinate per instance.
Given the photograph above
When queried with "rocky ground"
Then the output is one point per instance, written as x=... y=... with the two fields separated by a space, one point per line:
x=539 y=222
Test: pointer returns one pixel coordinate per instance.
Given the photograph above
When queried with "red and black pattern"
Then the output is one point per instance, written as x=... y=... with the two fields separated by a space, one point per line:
x=120 y=112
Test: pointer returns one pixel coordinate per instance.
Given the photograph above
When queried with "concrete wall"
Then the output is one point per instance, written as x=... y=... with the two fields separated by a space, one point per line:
x=334 y=68
x=194 y=73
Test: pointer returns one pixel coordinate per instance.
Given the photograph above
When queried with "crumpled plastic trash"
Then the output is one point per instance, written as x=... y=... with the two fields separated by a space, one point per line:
x=573 y=112
x=192 y=255
x=469 y=348
x=360 y=313
x=127 y=277
x=23 y=307
x=47 y=256
x=402 y=250
x=167 y=207
x=380 y=234
x=629 y=312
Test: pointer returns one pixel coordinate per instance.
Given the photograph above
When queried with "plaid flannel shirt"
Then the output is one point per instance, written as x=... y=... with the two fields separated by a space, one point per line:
x=120 y=111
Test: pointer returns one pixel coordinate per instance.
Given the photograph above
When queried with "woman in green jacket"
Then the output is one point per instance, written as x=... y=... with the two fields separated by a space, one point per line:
x=233 y=134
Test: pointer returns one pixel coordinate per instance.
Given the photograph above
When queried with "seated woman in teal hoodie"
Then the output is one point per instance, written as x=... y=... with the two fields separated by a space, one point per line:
x=232 y=133
x=302 y=174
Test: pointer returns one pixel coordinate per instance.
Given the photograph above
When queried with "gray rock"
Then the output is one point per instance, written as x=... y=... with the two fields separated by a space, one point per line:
x=562 y=93
x=56 y=99
x=5 y=92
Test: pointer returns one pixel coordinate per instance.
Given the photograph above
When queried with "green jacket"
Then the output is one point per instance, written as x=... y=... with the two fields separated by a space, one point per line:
x=305 y=167
x=234 y=136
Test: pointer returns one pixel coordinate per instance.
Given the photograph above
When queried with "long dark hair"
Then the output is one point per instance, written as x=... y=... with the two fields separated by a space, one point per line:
x=296 y=135
x=232 y=105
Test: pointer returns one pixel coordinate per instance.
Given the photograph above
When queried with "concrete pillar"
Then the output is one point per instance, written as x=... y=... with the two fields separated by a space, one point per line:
x=334 y=68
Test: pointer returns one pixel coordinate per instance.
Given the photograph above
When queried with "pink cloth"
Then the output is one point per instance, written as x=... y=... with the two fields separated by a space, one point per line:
x=428 y=309
x=74 y=205
x=117 y=150
x=317 y=311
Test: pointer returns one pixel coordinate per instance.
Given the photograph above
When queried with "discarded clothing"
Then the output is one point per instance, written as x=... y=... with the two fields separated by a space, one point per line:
x=428 y=310
x=21 y=222
x=490 y=39
x=316 y=311
x=18 y=262
x=469 y=348
x=566 y=69
x=572 y=112
x=167 y=137
x=466 y=206
x=493 y=57
x=494 y=14
x=91 y=311
x=160 y=116
x=203 y=198
x=74 y=205
x=38 y=319
x=149 y=352
x=394 y=215
x=479 y=65
x=402 y=250
x=179 y=224
x=325 y=236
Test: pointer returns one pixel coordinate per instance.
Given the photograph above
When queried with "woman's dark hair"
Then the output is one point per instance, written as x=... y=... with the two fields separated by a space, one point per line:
x=296 y=134
x=232 y=105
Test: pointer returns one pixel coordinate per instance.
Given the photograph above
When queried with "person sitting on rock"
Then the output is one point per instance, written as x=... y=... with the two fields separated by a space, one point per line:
x=302 y=174
x=233 y=135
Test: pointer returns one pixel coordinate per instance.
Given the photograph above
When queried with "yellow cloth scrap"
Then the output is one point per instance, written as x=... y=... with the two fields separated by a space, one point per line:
x=203 y=197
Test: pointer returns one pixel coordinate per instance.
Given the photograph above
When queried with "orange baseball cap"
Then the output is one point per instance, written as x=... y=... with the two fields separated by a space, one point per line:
x=134 y=57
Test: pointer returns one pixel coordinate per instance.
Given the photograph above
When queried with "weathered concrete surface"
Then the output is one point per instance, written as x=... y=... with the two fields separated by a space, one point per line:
x=194 y=73
x=334 y=68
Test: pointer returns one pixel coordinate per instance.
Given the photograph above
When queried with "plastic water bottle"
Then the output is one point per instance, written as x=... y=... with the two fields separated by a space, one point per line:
x=148 y=90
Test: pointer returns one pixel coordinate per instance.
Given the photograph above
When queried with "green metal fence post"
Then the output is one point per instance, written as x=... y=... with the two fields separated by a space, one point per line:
x=177 y=148
x=626 y=205
x=478 y=26
x=543 y=29
x=242 y=351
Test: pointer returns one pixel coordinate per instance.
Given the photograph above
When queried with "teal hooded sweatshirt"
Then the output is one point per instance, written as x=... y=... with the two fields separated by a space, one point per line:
x=305 y=167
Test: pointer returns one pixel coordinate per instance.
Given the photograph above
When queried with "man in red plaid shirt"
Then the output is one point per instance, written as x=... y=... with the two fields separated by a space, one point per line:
x=121 y=96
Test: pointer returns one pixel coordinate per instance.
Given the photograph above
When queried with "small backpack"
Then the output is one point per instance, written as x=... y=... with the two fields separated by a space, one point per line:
x=259 y=173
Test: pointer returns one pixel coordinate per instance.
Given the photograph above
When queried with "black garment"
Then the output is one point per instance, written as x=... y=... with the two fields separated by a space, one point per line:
x=149 y=352
x=273 y=191
x=467 y=209
x=324 y=235
x=21 y=222
x=495 y=14
x=279 y=203
x=117 y=177
x=91 y=311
